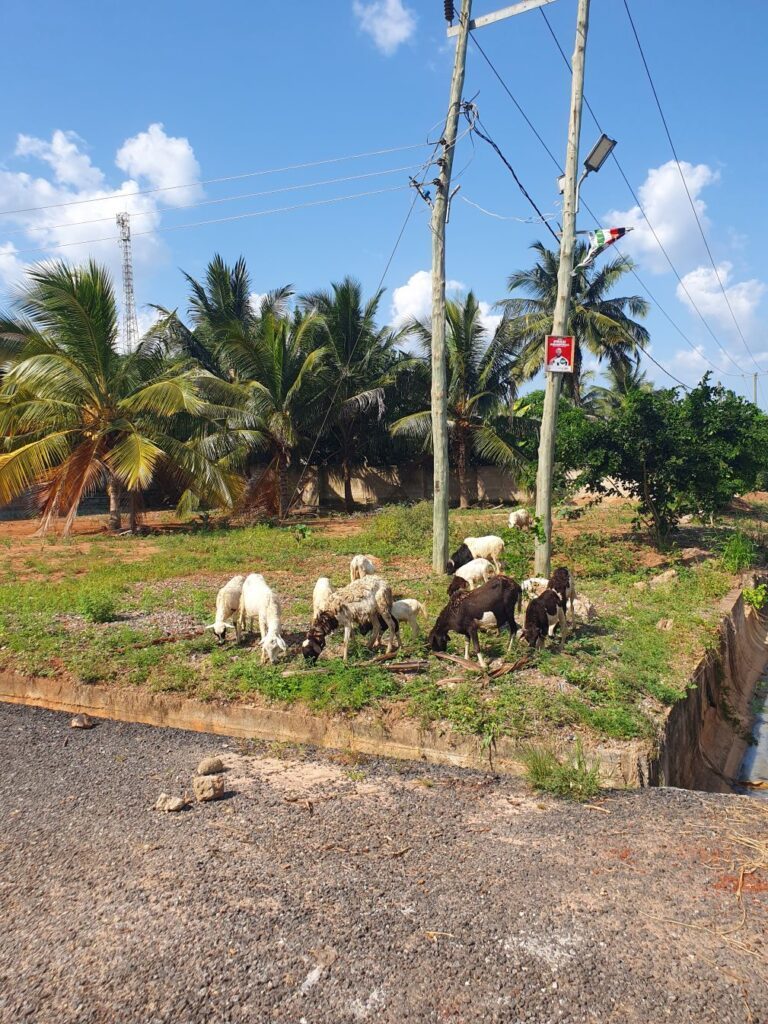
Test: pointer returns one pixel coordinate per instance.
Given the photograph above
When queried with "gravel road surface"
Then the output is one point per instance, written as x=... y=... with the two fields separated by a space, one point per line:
x=326 y=889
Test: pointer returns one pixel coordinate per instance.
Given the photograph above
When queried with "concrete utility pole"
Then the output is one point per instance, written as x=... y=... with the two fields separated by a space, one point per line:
x=439 y=214
x=562 y=305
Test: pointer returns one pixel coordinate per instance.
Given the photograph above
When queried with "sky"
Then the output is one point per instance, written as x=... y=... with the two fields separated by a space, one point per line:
x=105 y=99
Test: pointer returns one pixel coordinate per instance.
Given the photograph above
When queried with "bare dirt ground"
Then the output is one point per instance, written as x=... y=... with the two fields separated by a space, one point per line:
x=328 y=889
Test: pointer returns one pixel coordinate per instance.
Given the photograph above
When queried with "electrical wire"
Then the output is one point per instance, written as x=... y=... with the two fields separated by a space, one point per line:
x=499 y=216
x=219 y=220
x=215 y=181
x=656 y=237
x=214 y=202
x=685 y=185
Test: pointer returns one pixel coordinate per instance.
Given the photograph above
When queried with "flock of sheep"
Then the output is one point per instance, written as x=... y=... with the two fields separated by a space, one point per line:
x=480 y=597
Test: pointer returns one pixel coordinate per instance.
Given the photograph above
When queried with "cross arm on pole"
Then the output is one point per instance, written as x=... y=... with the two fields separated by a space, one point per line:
x=505 y=12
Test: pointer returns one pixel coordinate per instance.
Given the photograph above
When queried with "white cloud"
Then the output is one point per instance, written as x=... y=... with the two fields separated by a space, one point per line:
x=663 y=198
x=703 y=289
x=489 y=320
x=413 y=300
x=162 y=161
x=82 y=203
x=255 y=299
x=389 y=23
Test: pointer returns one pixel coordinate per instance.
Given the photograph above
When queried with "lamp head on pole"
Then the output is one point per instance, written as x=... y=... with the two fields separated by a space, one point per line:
x=599 y=153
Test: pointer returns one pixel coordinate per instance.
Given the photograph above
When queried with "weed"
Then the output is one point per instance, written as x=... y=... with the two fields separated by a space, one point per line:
x=355 y=775
x=756 y=597
x=572 y=777
x=98 y=606
x=739 y=552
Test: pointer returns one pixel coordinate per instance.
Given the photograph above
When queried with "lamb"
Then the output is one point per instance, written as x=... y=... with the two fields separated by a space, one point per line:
x=474 y=573
x=361 y=565
x=258 y=599
x=362 y=601
x=563 y=583
x=320 y=596
x=407 y=609
x=542 y=614
x=465 y=612
x=520 y=519
x=228 y=607
x=490 y=547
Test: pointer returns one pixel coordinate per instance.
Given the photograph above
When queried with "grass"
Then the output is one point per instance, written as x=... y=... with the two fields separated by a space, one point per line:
x=92 y=607
x=572 y=776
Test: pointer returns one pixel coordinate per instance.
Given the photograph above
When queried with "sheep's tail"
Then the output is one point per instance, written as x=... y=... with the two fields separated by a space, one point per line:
x=420 y=609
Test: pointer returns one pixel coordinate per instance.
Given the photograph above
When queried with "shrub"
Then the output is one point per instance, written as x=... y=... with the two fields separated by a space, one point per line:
x=756 y=597
x=399 y=529
x=98 y=606
x=571 y=777
x=739 y=553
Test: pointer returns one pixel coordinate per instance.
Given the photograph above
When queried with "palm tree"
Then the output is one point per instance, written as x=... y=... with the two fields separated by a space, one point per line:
x=601 y=324
x=76 y=414
x=622 y=379
x=361 y=364
x=266 y=359
x=484 y=415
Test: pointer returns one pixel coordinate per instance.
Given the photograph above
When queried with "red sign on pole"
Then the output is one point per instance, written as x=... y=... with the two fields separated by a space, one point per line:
x=560 y=353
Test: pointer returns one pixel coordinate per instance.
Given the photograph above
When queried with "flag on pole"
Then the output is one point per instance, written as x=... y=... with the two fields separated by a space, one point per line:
x=599 y=241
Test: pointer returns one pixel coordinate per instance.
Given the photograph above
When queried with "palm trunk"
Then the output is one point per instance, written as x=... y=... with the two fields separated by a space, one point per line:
x=282 y=486
x=114 y=492
x=349 y=505
x=133 y=511
x=461 y=467
x=576 y=377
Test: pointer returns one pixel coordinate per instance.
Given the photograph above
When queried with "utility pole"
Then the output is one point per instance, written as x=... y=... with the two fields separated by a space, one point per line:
x=562 y=305
x=754 y=388
x=130 y=323
x=439 y=386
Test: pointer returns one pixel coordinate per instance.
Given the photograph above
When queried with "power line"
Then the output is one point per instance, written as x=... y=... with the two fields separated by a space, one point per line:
x=685 y=184
x=226 y=199
x=215 y=181
x=652 y=229
x=219 y=220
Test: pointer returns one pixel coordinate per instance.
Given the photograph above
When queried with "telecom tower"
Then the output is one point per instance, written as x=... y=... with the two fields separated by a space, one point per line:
x=130 y=323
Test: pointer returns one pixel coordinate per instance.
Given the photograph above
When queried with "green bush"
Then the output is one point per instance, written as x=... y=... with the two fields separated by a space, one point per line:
x=399 y=530
x=739 y=553
x=98 y=606
x=756 y=597
x=571 y=777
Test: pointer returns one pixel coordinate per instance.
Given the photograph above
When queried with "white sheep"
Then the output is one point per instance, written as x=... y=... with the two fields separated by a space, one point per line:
x=520 y=519
x=361 y=565
x=408 y=609
x=534 y=587
x=363 y=601
x=258 y=599
x=228 y=607
x=320 y=595
x=490 y=547
x=476 y=572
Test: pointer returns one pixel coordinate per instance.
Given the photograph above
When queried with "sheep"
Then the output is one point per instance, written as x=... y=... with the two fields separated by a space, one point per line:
x=363 y=600
x=542 y=614
x=228 y=606
x=490 y=547
x=563 y=583
x=361 y=565
x=407 y=609
x=464 y=613
x=520 y=519
x=258 y=599
x=320 y=595
x=474 y=573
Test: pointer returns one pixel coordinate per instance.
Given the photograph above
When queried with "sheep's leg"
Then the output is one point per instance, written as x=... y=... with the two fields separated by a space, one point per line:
x=375 y=633
x=414 y=624
x=387 y=616
x=563 y=624
x=466 y=648
x=347 y=635
x=476 y=645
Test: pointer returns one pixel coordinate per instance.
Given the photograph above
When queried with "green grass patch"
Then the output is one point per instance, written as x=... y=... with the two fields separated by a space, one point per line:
x=573 y=777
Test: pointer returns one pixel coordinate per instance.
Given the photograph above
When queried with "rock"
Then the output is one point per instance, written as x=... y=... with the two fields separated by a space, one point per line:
x=665 y=577
x=584 y=609
x=692 y=556
x=665 y=624
x=170 y=803
x=208 y=787
x=82 y=722
x=210 y=766
x=642 y=585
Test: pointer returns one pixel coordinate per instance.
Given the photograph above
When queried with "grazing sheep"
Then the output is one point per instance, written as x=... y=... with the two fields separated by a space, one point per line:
x=474 y=573
x=534 y=586
x=520 y=519
x=364 y=600
x=361 y=565
x=465 y=612
x=563 y=583
x=407 y=609
x=542 y=614
x=258 y=599
x=490 y=547
x=228 y=606
x=320 y=595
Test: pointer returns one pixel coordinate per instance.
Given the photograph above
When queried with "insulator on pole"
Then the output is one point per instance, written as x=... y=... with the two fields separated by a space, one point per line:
x=450 y=14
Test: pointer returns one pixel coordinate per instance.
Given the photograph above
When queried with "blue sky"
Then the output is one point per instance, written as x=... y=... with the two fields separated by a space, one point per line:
x=99 y=100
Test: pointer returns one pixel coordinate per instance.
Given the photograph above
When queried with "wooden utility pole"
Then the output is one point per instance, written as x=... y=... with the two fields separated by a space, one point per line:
x=562 y=305
x=439 y=215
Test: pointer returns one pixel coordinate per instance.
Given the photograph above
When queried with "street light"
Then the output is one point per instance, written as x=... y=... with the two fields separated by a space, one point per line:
x=600 y=152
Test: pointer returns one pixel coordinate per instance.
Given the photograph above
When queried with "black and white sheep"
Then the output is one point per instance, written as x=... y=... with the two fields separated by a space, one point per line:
x=490 y=547
x=563 y=583
x=542 y=615
x=366 y=600
x=465 y=613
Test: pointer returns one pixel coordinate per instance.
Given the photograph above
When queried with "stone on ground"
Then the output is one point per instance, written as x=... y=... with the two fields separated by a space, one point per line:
x=208 y=787
x=210 y=766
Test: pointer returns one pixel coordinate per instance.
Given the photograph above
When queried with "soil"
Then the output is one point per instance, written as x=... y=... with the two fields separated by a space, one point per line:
x=333 y=889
